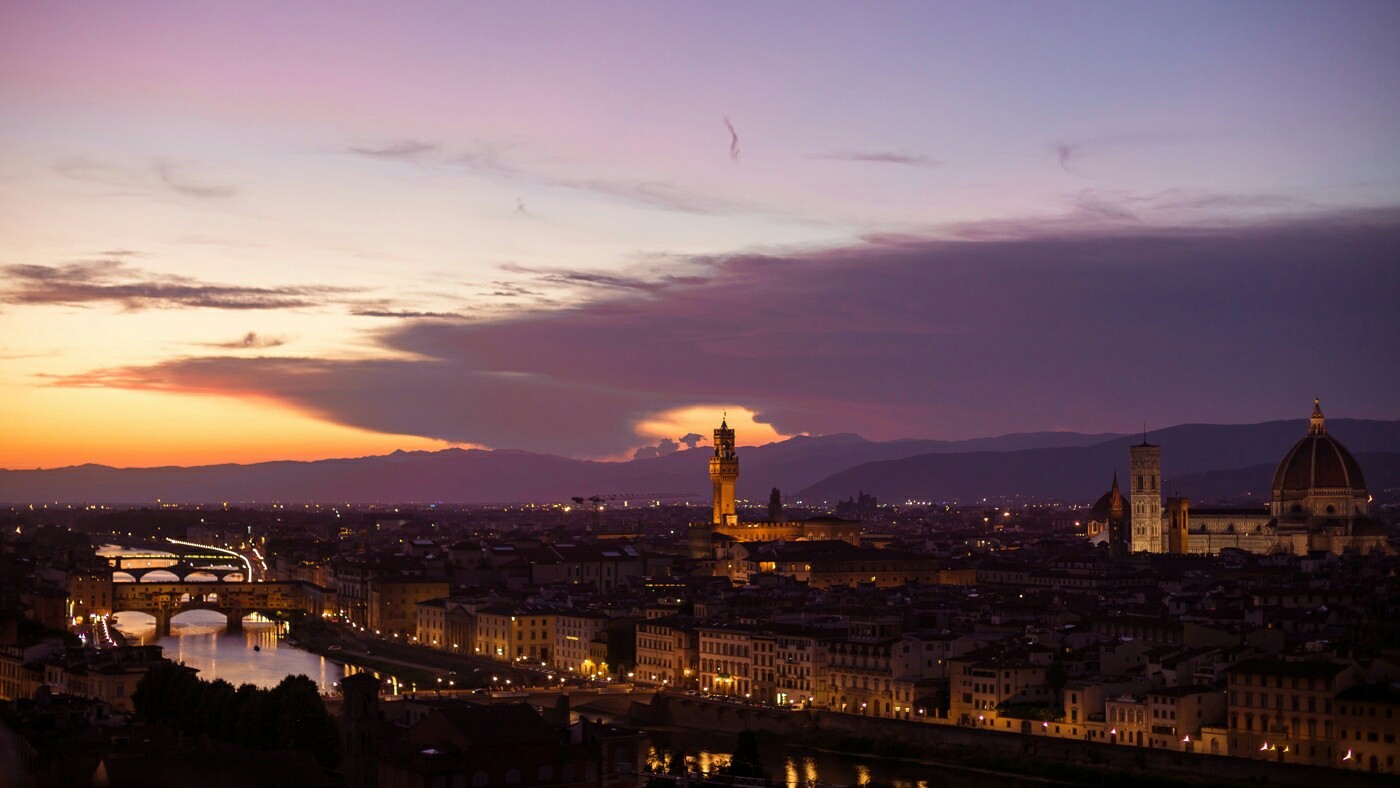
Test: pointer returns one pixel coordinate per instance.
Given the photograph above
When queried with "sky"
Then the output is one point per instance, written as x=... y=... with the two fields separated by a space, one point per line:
x=236 y=232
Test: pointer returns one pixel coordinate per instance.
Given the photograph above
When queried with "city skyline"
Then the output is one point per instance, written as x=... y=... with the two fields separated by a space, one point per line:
x=298 y=233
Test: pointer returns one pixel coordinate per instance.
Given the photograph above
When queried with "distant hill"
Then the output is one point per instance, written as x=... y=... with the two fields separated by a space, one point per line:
x=1039 y=466
x=1251 y=485
x=1082 y=473
x=476 y=476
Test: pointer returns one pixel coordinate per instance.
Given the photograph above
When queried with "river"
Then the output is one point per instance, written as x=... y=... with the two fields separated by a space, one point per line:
x=258 y=655
x=199 y=638
x=794 y=766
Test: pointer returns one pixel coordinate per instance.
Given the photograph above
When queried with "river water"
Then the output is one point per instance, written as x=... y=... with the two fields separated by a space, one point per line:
x=795 y=767
x=201 y=640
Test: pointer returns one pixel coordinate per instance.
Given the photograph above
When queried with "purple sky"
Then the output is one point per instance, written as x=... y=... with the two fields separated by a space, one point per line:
x=310 y=229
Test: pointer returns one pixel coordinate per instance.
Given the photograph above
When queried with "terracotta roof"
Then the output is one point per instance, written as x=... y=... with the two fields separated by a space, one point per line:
x=1318 y=461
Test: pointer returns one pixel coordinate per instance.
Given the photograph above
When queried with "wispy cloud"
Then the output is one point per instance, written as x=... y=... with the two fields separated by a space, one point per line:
x=1073 y=152
x=402 y=149
x=598 y=279
x=159 y=176
x=657 y=194
x=113 y=281
x=407 y=313
x=494 y=159
x=172 y=176
x=733 y=139
x=1066 y=151
x=513 y=290
x=250 y=341
x=877 y=157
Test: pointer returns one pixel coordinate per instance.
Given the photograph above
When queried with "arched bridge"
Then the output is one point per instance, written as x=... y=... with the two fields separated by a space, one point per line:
x=164 y=600
x=180 y=572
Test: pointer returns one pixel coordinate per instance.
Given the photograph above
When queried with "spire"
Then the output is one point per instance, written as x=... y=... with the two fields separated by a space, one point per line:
x=1317 y=426
x=1115 y=480
x=724 y=420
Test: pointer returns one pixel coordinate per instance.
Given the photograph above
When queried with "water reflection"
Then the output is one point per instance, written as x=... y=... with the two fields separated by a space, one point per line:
x=800 y=767
x=257 y=655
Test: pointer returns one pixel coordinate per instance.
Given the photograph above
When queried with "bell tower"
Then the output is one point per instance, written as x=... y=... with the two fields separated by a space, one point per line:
x=724 y=472
x=1145 y=494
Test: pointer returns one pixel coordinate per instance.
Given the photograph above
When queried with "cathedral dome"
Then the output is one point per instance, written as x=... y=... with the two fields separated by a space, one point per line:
x=1318 y=462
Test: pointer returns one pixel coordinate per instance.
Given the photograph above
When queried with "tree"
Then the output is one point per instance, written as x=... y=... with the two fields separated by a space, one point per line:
x=301 y=719
x=159 y=696
x=747 y=760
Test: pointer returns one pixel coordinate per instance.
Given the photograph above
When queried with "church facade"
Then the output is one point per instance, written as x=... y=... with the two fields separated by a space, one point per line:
x=1319 y=503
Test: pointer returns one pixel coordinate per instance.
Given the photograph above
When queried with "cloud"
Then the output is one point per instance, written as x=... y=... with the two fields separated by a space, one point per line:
x=733 y=139
x=250 y=341
x=663 y=447
x=171 y=175
x=1065 y=151
x=513 y=290
x=691 y=439
x=113 y=281
x=406 y=313
x=877 y=157
x=598 y=279
x=491 y=159
x=1095 y=329
x=159 y=176
x=655 y=194
x=402 y=149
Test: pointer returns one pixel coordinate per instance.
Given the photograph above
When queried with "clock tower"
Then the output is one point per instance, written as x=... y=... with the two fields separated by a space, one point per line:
x=724 y=472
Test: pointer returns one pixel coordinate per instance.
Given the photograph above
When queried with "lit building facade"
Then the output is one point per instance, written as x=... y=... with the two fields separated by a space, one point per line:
x=724 y=520
x=1319 y=502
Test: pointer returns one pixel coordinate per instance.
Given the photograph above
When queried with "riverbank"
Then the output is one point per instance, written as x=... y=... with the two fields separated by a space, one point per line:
x=1057 y=760
x=323 y=640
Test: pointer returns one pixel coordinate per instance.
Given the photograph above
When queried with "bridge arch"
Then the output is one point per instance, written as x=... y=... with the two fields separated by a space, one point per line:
x=198 y=614
x=160 y=576
x=235 y=577
x=141 y=624
x=201 y=577
x=123 y=577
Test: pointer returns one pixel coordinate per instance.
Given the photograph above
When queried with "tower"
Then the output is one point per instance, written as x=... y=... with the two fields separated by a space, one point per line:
x=724 y=472
x=1146 y=497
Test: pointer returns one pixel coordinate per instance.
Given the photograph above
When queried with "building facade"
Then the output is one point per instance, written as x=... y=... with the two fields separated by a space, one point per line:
x=1319 y=502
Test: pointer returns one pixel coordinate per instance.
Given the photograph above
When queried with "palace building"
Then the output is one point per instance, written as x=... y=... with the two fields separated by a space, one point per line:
x=1319 y=503
x=725 y=526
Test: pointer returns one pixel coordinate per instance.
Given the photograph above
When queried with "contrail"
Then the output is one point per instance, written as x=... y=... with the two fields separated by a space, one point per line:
x=733 y=139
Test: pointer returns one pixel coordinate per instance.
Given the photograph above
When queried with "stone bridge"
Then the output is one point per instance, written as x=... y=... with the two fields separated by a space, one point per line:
x=182 y=572
x=165 y=600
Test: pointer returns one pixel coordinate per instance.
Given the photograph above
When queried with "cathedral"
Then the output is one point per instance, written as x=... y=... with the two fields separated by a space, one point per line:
x=1319 y=503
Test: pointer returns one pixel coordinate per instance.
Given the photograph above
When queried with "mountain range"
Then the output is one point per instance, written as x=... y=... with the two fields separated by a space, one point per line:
x=1207 y=462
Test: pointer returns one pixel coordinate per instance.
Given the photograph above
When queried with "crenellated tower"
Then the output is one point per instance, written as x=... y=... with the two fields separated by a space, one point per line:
x=724 y=473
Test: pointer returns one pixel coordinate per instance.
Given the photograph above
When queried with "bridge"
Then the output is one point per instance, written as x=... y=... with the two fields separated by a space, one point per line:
x=134 y=558
x=164 y=601
x=180 y=572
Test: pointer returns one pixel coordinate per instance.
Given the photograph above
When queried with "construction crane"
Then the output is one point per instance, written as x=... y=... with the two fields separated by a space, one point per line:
x=598 y=501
